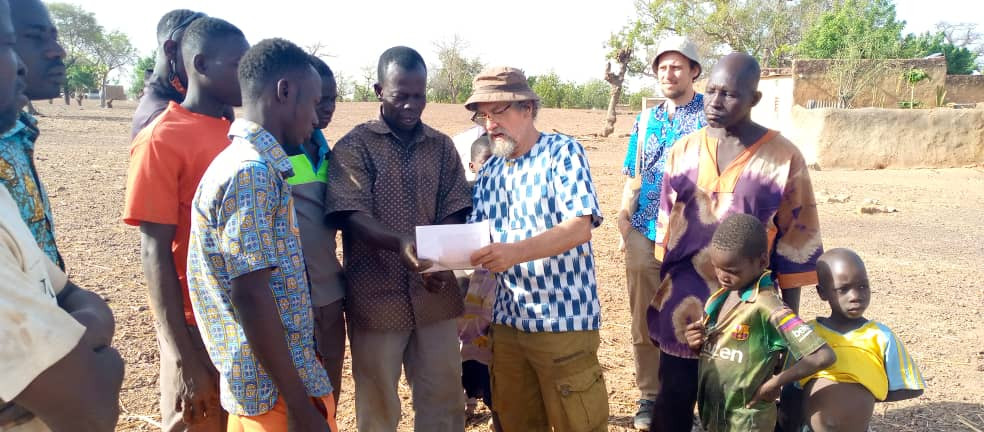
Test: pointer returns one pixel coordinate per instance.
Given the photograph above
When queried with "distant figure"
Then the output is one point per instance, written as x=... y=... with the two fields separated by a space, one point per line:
x=246 y=270
x=872 y=363
x=731 y=166
x=167 y=160
x=537 y=195
x=386 y=177
x=655 y=130
x=744 y=334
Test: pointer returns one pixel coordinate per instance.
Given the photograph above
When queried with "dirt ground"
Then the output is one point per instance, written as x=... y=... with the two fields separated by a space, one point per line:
x=926 y=262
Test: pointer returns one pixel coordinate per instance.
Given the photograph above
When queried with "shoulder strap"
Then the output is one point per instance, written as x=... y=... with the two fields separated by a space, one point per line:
x=641 y=139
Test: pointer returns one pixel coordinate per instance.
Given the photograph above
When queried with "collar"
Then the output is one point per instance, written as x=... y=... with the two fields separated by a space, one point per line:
x=268 y=147
x=318 y=138
x=380 y=127
x=747 y=295
x=695 y=106
x=26 y=124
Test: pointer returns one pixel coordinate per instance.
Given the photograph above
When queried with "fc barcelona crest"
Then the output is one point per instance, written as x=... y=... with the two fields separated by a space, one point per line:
x=741 y=332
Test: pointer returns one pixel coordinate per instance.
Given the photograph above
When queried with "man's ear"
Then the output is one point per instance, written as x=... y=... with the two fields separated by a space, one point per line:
x=199 y=62
x=284 y=90
x=756 y=98
x=170 y=49
x=379 y=90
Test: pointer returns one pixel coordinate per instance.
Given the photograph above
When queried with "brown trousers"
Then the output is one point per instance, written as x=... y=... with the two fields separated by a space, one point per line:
x=642 y=279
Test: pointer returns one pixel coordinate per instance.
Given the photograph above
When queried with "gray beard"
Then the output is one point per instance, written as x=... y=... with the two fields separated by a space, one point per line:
x=504 y=147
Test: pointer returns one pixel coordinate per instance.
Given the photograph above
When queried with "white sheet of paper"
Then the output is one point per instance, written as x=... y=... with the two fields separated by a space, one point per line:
x=451 y=246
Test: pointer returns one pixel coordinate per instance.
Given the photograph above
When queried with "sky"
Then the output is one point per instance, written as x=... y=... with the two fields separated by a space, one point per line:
x=539 y=36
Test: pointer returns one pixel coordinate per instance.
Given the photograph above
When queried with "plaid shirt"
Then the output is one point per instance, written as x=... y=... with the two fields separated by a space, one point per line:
x=523 y=198
x=19 y=175
x=243 y=221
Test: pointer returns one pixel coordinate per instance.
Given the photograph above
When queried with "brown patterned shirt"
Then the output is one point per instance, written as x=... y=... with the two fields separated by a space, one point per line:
x=401 y=185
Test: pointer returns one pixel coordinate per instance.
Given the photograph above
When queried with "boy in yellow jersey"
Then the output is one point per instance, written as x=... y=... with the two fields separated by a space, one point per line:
x=746 y=329
x=872 y=365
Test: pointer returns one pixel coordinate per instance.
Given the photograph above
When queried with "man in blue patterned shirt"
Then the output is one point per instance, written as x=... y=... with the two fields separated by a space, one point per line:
x=656 y=129
x=38 y=47
x=537 y=194
x=246 y=271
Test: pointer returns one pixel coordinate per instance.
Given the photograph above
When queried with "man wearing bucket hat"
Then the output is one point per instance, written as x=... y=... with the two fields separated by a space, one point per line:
x=677 y=66
x=536 y=192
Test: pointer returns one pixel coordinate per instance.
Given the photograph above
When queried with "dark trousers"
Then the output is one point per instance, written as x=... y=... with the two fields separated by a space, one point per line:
x=475 y=380
x=674 y=407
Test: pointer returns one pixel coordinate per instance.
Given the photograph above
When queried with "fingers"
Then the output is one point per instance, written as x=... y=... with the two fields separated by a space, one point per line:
x=480 y=256
x=424 y=264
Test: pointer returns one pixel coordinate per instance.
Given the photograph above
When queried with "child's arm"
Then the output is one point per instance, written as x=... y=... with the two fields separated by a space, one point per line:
x=819 y=359
x=695 y=334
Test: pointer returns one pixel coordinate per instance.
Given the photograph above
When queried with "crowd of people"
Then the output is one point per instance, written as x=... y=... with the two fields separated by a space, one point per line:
x=238 y=217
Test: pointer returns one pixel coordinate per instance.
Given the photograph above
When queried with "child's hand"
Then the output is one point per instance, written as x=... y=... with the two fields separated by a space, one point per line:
x=768 y=392
x=695 y=335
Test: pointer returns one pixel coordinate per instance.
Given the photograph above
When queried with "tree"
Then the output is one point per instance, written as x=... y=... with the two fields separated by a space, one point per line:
x=963 y=35
x=78 y=32
x=365 y=92
x=550 y=90
x=82 y=78
x=318 y=49
x=344 y=85
x=451 y=81
x=959 y=61
x=912 y=77
x=861 y=35
x=111 y=52
x=140 y=74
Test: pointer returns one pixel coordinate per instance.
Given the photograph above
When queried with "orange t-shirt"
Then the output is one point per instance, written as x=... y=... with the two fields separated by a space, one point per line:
x=167 y=160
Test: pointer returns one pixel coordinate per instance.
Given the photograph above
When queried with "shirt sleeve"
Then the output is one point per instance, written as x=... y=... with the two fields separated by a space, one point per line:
x=34 y=332
x=797 y=242
x=629 y=166
x=572 y=183
x=249 y=205
x=800 y=338
x=152 y=184
x=349 y=178
x=903 y=374
x=454 y=193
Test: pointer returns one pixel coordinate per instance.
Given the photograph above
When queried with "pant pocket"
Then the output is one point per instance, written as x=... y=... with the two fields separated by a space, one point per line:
x=584 y=399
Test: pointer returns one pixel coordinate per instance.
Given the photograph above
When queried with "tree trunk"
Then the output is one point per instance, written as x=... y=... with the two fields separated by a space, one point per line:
x=68 y=96
x=102 y=94
x=616 y=81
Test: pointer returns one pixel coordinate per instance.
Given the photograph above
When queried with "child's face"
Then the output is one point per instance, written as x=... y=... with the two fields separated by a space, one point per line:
x=734 y=271
x=476 y=164
x=846 y=290
x=326 y=106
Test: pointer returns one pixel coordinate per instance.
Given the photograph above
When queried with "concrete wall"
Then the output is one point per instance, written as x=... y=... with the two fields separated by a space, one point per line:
x=964 y=89
x=775 y=109
x=873 y=138
x=811 y=82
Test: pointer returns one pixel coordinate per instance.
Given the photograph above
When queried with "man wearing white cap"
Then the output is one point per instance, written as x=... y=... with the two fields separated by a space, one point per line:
x=536 y=192
x=677 y=66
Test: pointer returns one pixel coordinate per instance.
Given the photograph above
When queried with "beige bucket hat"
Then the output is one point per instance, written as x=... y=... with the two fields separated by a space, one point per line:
x=500 y=84
x=678 y=44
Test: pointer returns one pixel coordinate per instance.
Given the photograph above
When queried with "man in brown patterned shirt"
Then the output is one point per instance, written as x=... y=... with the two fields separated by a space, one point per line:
x=386 y=177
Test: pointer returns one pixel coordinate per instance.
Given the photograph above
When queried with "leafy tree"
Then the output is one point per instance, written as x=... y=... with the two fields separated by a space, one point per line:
x=83 y=77
x=959 y=61
x=912 y=77
x=550 y=89
x=594 y=94
x=111 y=52
x=451 y=81
x=139 y=74
x=78 y=32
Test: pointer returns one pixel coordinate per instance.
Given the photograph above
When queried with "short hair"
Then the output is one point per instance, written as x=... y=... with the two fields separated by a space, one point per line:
x=172 y=21
x=207 y=28
x=268 y=61
x=405 y=57
x=479 y=146
x=533 y=105
x=742 y=233
x=319 y=65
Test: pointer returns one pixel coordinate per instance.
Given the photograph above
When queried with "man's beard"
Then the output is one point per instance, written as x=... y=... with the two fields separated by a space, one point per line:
x=504 y=146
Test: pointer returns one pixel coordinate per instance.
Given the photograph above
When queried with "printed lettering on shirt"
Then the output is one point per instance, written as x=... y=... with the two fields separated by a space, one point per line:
x=791 y=324
x=718 y=352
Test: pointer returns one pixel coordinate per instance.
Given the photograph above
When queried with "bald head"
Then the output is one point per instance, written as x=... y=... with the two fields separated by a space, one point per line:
x=732 y=91
x=742 y=67
x=839 y=264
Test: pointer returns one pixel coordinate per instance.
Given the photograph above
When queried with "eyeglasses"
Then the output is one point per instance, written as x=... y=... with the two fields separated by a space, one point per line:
x=482 y=119
x=185 y=23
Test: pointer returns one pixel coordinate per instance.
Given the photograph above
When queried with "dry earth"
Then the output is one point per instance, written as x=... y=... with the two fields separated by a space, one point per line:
x=926 y=261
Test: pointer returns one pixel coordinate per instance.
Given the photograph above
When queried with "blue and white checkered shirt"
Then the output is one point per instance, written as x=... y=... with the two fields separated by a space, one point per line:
x=523 y=198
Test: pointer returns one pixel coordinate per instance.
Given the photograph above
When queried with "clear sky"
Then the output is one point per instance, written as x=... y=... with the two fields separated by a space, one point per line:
x=536 y=35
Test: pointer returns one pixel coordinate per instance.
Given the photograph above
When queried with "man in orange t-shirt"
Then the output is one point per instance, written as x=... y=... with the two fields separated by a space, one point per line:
x=167 y=160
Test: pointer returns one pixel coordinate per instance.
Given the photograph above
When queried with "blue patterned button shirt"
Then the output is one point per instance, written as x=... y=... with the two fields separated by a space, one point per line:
x=243 y=220
x=19 y=176
x=522 y=198
x=660 y=134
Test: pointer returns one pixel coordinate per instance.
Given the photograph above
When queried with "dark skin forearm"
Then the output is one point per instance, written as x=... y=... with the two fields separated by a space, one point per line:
x=808 y=365
x=899 y=395
x=166 y=300
x=91 y=311
x=260 y=319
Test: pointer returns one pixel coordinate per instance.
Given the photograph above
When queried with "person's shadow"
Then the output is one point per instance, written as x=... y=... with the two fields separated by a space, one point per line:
x=932 y=416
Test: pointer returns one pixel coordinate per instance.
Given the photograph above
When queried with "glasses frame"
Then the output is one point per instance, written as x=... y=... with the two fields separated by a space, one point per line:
x=482 y=119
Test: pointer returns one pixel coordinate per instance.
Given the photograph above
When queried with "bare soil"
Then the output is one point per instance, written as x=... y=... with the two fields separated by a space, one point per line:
x=925 y=261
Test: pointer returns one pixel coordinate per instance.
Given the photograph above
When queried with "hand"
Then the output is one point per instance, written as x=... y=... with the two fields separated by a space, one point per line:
x=408 y=255
x=94 y=337
x=695 y=335
x=768 y=392
x=197 y=396
x=307 y=418
x=623 y=223
x=439 y=281
x=496 y=257
x=12 y=415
